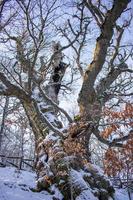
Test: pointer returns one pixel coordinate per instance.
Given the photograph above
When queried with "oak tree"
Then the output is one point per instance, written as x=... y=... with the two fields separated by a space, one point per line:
x=33 y=73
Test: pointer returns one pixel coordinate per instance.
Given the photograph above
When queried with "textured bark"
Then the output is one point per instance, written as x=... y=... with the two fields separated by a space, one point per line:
x=64 y=164
x=36 y=121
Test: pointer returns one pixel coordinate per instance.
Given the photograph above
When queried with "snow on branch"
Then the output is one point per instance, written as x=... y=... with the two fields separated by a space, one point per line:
x=116 y=142
x=56 y=106
x=49 y=124
x=10 y=89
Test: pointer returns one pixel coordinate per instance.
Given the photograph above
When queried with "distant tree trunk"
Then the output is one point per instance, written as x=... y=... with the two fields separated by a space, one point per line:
x=3 y=120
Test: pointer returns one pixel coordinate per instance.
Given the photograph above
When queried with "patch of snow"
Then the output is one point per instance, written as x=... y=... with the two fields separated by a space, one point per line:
x=51 y=118
x=57 y=192
x=2 y=87
x=24 y=77
x=79 y=184
x=44 y=158
x=98 y=169
x=122 y=194
x=15 y=185
x=51 y=136
x=86 y=195
x=35 y=94
x=85 y=173
x=43 y=106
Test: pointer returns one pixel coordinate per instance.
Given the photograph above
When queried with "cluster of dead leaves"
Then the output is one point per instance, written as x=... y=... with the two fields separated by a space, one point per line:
x=126 y=113
x=119 y=160
x=116 y=119
x=112 y=163
x=74 y=147
x=77 y=128
x=107 y=132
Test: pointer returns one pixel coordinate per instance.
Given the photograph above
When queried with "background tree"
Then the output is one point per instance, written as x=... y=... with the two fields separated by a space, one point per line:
x=17 y=138
x=35 y=75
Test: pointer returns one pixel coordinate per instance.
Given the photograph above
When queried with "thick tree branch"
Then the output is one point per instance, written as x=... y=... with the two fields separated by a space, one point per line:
x=96 y=13
x=102 y=44
x=115 y=142
x=111 y=77
x=11 y=90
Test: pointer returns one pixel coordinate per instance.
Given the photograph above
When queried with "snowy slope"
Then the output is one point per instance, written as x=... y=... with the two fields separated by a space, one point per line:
x=122 y=194
x=15 y=185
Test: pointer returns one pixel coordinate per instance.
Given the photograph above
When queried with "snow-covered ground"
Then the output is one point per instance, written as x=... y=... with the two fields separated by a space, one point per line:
x=122 y=194
x=15 y=185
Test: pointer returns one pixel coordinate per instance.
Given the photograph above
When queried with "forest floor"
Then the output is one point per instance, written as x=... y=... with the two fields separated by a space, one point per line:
x=15 y=185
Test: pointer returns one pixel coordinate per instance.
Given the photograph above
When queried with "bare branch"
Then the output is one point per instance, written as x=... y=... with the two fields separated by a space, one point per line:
x=111 y=77
x=115 y=142
x=96 y=12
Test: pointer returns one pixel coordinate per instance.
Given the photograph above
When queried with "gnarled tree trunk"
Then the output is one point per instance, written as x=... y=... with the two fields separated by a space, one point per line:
x=64 y=163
